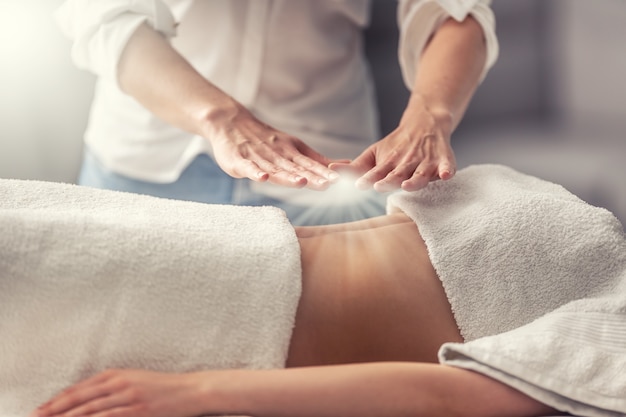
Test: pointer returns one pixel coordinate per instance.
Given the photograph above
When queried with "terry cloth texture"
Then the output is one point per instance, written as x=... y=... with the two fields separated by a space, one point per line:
x=509 y=247
x=537 y=281
x=93 y=279
x=573 y=359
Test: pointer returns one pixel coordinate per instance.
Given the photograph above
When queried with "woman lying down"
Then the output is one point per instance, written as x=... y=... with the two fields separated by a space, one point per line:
x=113 y=304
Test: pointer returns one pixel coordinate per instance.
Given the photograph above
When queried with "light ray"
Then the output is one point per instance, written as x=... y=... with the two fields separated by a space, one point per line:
x=342 y=202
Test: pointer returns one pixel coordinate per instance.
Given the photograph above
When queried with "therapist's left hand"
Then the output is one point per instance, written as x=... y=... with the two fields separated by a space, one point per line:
x=416 y=152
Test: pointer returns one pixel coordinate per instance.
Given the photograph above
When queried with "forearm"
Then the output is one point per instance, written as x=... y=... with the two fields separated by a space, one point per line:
x=449 y=70
x=364 y=390
x=156 y=75
x=389 y=389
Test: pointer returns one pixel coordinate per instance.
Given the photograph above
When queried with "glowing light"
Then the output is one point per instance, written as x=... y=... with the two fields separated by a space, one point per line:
x=343 y=192
x=342 y=202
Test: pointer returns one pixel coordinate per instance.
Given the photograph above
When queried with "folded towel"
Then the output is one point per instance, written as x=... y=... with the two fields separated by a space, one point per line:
x=106 y=279
x=509 y=247
x=573 y=359
x=537 y=281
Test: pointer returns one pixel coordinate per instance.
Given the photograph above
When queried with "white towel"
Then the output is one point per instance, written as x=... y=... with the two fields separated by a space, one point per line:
x=541 y=271
x=93 y=279
x=509 y=247
x=573 y=359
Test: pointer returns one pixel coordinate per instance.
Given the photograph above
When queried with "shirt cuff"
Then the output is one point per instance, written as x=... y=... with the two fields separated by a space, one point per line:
x=418 y=20
x=100 y=30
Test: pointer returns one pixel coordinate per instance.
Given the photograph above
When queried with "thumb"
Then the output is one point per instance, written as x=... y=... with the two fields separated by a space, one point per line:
x=359 y=166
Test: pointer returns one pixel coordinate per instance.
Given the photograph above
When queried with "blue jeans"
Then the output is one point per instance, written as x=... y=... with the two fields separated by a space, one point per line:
x=204 y=181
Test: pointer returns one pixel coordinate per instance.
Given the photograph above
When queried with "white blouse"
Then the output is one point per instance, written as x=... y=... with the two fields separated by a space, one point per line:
x=297 y=65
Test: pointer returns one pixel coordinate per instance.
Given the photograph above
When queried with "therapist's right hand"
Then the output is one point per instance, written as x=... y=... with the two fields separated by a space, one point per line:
x=245 y=147
x=157 y=76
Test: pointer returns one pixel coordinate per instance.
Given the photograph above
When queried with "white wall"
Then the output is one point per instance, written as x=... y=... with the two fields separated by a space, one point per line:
x=44 y=100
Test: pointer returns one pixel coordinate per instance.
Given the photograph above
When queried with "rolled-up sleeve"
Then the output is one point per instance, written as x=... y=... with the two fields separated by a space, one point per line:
x=418 y=20
x=99 y=30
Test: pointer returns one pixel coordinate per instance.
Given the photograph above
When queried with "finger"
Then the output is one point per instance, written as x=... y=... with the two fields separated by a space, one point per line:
x=420 y=178
x=249 y=169
x=345 y=171
x=315 y=173
x=347 y=168
x=287 y=179
x=74 y=396
x=339 y=161
x=374 y=175
x=286 y=172
x=279 y=176
x=100 y=405
x=394 y=179
x=447 y=168
x=265 y=164
x=343 y=168
x=311 y=154
x=359 y=167
x=302 y=160
x=364 y=162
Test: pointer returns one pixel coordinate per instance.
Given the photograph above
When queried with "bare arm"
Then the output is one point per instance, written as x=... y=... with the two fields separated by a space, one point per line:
x=157 y=76
x=376 y=389
x=419 y=150
x=450 y=70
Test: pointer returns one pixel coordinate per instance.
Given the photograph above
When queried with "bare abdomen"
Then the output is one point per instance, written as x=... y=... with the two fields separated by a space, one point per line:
x=370 y=295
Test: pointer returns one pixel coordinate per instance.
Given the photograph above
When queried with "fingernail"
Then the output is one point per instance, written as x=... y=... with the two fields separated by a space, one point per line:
x=333 y=176
x=322 y=181
x=297 y=178
x=260 y=174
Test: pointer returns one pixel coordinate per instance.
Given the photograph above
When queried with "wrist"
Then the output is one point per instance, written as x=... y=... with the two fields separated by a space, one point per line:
x=213 y=119
x=432 y=105
x=441 y=115
x=220 y=392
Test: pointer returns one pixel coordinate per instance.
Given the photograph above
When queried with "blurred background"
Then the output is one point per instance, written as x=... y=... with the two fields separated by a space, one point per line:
x=554 y=105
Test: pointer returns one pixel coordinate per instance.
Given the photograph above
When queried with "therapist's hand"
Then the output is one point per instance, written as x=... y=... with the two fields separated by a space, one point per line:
x=159 y=78
x=416 y=152
x=244 y=147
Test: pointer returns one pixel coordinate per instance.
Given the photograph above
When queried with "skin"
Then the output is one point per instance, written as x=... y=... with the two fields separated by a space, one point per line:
x=369 y=324
x=418 y=151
